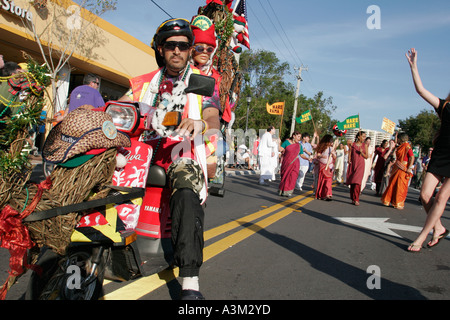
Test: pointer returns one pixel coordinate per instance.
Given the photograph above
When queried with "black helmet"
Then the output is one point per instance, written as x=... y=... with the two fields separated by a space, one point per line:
x=170 y=28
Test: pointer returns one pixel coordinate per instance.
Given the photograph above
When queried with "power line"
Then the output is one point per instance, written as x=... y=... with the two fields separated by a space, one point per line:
x=265 y=31
x=284 y=32
x=161 y=9
x=290 y=42
x=270 y=18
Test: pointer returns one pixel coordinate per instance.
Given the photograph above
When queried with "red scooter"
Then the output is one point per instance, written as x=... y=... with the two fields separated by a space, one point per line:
x=140 y=244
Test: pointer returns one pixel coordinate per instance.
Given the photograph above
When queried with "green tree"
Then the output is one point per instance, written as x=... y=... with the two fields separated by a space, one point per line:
x=264 y=81
x=421 y=128
x=321 y=109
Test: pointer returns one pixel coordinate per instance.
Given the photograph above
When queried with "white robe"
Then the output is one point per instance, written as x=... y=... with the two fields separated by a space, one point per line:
x=266 y=147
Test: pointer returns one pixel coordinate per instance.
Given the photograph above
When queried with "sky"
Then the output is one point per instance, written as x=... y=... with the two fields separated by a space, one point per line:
x=352 y=53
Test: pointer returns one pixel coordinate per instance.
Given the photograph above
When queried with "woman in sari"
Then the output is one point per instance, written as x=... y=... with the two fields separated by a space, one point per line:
x=381 y=153
x=397 y=189
x=326 y=155
x=367 y=163
x=290 y=164
x=356 y=164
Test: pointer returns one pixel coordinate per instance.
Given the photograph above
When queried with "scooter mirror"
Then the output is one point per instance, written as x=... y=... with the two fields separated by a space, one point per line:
x=201 y=85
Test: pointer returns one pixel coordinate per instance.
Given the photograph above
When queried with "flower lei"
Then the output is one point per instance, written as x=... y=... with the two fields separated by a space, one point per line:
x=171 y=98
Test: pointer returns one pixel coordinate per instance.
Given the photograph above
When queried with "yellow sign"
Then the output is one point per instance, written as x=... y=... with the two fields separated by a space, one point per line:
x=277 y=108
x=388 y=126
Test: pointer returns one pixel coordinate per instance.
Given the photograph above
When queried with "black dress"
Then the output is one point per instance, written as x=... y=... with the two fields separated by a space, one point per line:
x=440 y=158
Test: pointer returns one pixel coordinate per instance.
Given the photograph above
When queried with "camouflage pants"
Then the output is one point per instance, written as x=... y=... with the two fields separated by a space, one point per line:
x=186 y=181
x=185 y=173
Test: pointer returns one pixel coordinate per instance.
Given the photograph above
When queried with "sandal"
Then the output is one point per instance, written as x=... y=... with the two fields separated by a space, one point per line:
x=438 y=238
x=413 y=248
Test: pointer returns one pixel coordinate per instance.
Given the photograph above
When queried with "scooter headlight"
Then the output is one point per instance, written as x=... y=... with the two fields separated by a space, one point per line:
x=125 y=116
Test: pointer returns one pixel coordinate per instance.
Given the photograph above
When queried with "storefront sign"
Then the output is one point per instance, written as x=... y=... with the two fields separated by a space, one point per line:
x=8 y=5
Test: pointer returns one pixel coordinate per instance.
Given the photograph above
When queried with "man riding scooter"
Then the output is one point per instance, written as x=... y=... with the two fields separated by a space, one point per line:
x=186 y=167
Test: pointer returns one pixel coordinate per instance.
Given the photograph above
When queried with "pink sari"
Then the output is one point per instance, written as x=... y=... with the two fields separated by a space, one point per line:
x=355 y=172
x=290 y=167
x=325 y=179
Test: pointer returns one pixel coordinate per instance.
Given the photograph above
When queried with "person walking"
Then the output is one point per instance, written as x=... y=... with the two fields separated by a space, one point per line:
x=418 y=170
x=381 y=153
x=339 y=164
x=401 y=174
x=305 y=161
x=266 y=153
x=86 y=94
x=367 y=163
x=290 y=165
x=355 y=171
x=438 y=167
x=325 y=156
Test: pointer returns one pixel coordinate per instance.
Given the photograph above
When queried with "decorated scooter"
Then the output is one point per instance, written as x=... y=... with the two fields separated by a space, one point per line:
x=123 y=235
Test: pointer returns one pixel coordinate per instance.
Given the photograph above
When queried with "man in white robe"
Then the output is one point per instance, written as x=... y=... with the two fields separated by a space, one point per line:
x=266 y=147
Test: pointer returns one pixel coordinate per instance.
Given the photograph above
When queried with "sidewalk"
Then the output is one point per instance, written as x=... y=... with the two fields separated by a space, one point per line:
x=239 y=172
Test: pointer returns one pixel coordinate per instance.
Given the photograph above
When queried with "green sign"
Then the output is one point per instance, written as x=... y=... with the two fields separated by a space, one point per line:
x=349 y=123
x=305 y=116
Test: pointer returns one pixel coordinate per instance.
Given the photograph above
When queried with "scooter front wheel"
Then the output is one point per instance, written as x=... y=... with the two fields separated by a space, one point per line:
x=75 y=277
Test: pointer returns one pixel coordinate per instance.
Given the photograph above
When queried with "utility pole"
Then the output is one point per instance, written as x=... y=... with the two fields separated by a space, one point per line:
x=299 y=79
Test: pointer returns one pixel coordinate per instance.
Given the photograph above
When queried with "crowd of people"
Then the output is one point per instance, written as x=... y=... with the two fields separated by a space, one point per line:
x=389 y=169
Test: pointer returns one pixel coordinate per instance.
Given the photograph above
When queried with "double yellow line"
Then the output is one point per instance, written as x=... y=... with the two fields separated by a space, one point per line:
x=142 y=286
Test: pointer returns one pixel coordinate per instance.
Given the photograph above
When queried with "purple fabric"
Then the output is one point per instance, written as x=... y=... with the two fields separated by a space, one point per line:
x=85 y=95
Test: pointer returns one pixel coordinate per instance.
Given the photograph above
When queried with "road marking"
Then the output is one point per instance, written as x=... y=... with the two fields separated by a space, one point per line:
x=380 y=225
x=144 y=285
x=209 y=234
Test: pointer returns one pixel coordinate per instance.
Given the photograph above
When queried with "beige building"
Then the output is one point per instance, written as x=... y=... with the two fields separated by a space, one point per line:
x=102 y=48
x=376 y=136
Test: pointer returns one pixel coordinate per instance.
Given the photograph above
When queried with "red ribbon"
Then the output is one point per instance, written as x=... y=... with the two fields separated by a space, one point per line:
x=14 y=236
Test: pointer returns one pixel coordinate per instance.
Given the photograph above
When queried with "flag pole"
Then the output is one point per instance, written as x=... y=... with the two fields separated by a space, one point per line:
x=282 y=115
x=359 y=121
x=314 y=124
x=235 y=6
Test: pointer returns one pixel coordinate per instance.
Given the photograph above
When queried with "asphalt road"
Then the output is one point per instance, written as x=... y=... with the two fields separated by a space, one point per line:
x=260 y=246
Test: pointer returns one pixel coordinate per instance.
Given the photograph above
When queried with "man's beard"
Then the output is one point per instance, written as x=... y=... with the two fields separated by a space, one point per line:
x=176 y=67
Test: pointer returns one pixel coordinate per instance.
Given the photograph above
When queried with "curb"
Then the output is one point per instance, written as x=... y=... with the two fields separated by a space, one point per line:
x=229 y=173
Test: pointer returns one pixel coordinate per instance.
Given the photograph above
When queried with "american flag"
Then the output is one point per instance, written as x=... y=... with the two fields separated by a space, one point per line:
x=240 y=16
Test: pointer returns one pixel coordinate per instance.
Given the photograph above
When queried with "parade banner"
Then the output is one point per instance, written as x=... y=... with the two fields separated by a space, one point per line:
x=388 y=126
x=305 y=116
x=277 y=108
x=351 y=122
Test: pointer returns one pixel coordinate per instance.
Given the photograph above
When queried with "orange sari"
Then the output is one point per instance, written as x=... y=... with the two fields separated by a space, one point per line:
x=397 y=189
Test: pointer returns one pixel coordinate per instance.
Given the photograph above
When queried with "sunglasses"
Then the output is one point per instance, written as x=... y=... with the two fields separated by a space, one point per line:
x=201 y=49
x=171 y=45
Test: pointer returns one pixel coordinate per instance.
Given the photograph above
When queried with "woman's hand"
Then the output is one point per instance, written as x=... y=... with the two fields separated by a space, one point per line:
x=411 y=55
